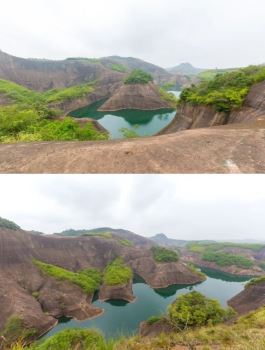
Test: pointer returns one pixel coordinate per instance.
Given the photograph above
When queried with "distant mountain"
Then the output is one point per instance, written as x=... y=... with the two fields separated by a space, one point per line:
x=185 y=69
x=163 y=240
x=123 y=234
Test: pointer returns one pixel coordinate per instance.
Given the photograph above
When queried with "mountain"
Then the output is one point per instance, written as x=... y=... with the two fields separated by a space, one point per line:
x=163 y=240
x=136 y=239
x=43 y=278
x=185 y=69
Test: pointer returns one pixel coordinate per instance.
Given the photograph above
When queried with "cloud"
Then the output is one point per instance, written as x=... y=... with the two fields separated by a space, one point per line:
x=220 y=33
x=184 y=207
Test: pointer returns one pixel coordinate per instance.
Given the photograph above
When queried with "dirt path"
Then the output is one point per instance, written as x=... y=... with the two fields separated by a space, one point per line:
x=212 y=150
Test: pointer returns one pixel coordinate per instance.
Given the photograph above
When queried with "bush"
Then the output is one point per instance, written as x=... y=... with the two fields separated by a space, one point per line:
x=60 y=95
x=154 y=319
x=138 y=76
x=255 y=281
x=164 y=255
x=117 y=273
x=118 y=68
x=70 y=339
x=89 y=280
x=170 y=98
x=225 y=91
x=14 y=329
x=126 y=243
x=196 y=310
x=8 y=224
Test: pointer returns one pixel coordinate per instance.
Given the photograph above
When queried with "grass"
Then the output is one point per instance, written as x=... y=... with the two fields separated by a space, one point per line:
x=117 y=273
x=154 y=319
x=14 y=330
x=104 y=235
x=225 y=91
x=119 y=68
x=126 y=242
x=89 y=280
x=163 y=255
x=68 y=94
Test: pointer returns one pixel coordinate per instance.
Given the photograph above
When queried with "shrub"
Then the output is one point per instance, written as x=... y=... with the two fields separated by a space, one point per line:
x=117 y=273
x=161 y=254
x=77 y=91
x=89 y=280
x=170 y=98
x=128 y=133
x=138 y=76
x=119 y=68
x=196 y=310
x=225 y=91
x=154 y=319
x=69 y=339
x=126 y=243
x=255 y=281
x=14 y=329
x=8 y=224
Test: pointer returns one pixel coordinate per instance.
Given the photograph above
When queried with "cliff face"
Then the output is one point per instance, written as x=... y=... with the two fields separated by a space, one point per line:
x=135 y=96
x=203 y=116
x=119 y=292
x=44 y=75
x=250 y=299
x=40 y=300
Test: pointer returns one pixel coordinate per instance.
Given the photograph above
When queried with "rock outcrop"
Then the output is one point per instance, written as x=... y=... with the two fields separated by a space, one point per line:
x=135 y=96
x=250 y=299
x=202 y=116
x=39 y=300
x=156 y=328
x=118 y=292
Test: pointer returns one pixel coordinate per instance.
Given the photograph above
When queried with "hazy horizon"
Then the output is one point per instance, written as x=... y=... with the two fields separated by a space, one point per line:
x=207 y=34
x=182 y=207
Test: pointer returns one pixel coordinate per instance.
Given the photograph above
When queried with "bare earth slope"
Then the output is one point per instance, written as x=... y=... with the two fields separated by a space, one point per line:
x=228 y=149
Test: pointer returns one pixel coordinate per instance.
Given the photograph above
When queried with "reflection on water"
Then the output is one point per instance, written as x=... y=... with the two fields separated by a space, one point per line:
x=144 y=123
x=124 y=318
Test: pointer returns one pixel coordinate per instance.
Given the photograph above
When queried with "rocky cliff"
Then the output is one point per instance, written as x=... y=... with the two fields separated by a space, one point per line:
x=39 y=300
x=202 y=116
x=118 y=292
x=135 y=96
x=252 y=298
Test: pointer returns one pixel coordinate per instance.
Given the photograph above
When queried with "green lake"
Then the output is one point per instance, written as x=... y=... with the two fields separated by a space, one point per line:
x=143 y=123
x=121 y=318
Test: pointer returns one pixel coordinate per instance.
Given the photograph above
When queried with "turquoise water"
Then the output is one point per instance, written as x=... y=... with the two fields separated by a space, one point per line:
x=143 y=123
x=124 y=318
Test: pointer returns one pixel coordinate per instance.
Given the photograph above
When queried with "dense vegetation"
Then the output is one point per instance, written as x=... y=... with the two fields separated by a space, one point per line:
x=255 y=281
x=31 y=118
x=89 y=280
x=117 y=273
x=8 y=224
x=201 y=247
x=126 y=243
x=118 y=68
x=226 y=91
x=162 y=255
x=14 y=329
x=196 y=310
x=228 y=259
x=138 y=76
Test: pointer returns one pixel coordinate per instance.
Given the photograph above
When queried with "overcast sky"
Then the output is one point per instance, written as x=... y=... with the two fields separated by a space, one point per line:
x=207 y=33
x=184 y=207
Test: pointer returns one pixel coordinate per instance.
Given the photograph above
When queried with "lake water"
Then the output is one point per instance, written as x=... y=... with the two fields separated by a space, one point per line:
x=121 y=318
x=143 y=123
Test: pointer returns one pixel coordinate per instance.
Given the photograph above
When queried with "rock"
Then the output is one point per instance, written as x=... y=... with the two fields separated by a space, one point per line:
x=155 y=329
x=119 y=292
x=135 y=96
x=250 y=299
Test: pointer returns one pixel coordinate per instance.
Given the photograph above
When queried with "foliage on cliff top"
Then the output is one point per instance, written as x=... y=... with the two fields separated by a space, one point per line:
x=89 y=280
x=81 y=339
x=196 y=310
x=170 y=98
x=201 y=247
x=138 y=76
x=8 y=224
x=70 y=93
x=228 y=259
x=117 y=273
x=14 y=329
x=118 y=68
x=226 y=91
x=255 y=281
x=163 y=255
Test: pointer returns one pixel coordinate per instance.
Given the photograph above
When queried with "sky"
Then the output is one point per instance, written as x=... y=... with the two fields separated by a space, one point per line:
x=207 y=33
x=183 y=207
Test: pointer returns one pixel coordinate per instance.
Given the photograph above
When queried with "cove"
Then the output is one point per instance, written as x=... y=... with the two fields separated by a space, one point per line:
x=121 y=318
x=144 y=123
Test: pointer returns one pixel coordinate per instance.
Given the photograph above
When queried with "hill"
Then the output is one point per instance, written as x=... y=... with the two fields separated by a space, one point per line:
x=185 y=69
x=163 y=240
x=43 y=278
